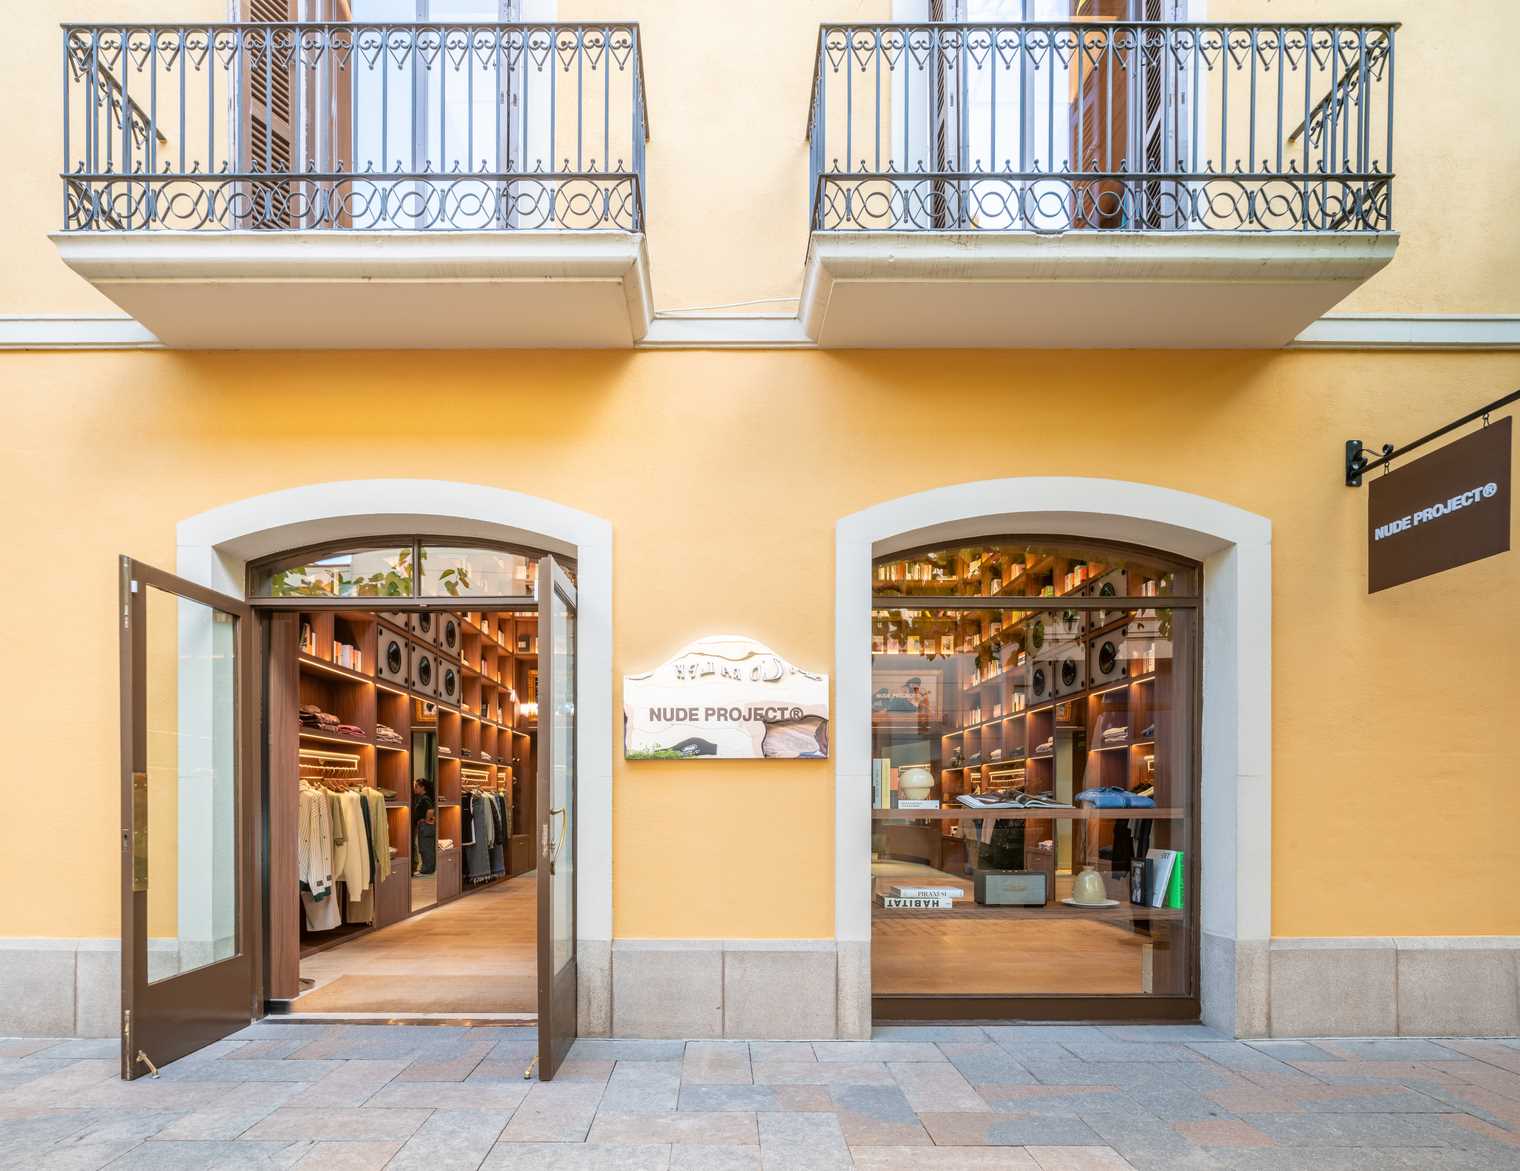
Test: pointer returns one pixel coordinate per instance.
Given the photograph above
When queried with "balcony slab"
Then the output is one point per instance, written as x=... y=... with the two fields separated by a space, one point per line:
x=1079 y=290
x=373 y=290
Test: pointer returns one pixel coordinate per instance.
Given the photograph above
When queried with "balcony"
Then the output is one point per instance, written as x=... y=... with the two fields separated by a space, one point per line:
x=1095 y=183
x=343 y=185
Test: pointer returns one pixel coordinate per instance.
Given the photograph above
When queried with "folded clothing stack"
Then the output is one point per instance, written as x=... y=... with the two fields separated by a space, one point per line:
x=445 y=843
x=1116 y=735
x=387 y=733
x=1111 y=797
x=311 y=716
x=348 y=729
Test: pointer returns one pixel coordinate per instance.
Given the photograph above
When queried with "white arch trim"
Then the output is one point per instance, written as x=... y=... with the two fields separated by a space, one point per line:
x=214 y=549
x=1235 y=548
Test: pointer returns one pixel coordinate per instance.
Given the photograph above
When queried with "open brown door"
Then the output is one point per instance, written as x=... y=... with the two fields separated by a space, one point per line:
x=556 y=816
x=189 y=815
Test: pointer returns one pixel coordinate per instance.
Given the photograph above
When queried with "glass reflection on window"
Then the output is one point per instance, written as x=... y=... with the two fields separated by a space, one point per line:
x=458 y=572
x=1031 y=779
x=361 y=573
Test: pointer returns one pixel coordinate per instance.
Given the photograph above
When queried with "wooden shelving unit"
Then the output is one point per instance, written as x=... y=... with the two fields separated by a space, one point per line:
x=328 y=658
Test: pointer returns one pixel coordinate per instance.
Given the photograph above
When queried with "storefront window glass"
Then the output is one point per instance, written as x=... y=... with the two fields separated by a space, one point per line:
x=1033 y=778
x=358 y=573
x=1014 y=569
x=454 y=572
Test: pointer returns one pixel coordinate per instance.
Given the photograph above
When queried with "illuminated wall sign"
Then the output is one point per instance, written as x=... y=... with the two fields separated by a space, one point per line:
x=726 y=697
x=1440 y=511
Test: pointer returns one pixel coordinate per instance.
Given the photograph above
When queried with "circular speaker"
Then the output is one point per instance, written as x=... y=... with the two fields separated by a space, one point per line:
x=1106 y=590
x=450 y=634
x=1108 y=658
x=1068 y=673
x=450 y=683
x=1037 y=635
x=393 y=657
x=425 y=623
x=1039 y=681
x=425 y=671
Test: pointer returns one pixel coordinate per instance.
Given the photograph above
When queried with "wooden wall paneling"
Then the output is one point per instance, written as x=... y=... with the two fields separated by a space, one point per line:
x=282 y=902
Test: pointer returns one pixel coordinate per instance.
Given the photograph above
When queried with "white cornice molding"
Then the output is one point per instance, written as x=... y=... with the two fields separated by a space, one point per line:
x=1412 y=331
x=48 y=331
x=1334 y=331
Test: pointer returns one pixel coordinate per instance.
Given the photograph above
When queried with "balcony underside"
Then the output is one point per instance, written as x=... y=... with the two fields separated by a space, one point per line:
x=1080 y=290
x=373 y=290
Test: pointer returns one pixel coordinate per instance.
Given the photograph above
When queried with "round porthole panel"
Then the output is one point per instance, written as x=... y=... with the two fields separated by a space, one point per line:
x=425 y=672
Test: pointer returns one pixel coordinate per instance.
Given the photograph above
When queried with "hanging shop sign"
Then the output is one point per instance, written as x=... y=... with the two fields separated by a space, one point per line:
x=726 y=697
x=1443 y=510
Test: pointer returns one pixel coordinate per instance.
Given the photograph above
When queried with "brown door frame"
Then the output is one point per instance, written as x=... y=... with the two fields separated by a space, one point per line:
x=164 y=1021
x=556 y=990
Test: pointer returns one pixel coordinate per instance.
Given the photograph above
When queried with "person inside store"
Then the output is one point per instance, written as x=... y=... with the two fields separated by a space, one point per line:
x=422 y=815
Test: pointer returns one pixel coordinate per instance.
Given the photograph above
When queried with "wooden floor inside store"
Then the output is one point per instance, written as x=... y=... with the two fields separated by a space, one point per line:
x=941 y=957
x=474 y=954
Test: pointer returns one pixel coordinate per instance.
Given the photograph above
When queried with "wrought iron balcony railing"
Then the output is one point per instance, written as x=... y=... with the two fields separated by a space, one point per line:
x=305 y=126
x=1102 y=125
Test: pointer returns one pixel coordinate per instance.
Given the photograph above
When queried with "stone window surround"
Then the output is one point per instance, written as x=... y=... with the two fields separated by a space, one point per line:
x=1235 y=548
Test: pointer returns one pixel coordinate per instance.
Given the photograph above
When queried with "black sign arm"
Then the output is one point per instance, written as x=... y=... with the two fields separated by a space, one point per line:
x=1358 y=465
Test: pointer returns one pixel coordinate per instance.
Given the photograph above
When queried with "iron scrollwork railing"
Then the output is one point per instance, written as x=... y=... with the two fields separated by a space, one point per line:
x=1082 y=125
x=304 y=126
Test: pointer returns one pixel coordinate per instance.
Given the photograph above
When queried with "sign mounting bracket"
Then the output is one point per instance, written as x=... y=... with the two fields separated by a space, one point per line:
x=1358 y=465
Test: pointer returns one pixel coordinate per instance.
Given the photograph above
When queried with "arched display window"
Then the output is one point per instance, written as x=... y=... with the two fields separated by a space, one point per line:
x=1034 y=782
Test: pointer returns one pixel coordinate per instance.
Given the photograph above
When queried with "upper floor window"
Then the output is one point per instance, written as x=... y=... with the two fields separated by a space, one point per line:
x=1062 y=114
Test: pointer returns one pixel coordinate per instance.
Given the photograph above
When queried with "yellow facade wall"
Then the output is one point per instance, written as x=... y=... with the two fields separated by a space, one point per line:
x=723 y=475
x=728 y=89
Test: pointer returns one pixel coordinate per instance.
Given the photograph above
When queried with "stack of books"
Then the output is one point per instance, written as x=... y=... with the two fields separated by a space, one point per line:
x=921 y=898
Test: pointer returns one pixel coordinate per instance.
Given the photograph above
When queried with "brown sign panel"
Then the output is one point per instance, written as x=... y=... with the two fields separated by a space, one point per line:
x=1443 y=510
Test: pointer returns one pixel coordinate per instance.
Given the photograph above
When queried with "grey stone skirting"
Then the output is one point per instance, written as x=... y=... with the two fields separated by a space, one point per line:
x=768 y=989
x=819 y=989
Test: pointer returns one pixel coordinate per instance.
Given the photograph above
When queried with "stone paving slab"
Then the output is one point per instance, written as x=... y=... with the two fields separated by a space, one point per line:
x=936 y=1098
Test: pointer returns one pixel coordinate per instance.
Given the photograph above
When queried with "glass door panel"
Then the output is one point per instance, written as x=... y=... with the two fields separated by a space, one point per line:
x=188 y=972
x=556 y=816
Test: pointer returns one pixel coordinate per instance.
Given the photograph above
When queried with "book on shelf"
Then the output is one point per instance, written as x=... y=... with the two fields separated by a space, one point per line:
x=1165 y=867
x=894 y=903
x=904 y=891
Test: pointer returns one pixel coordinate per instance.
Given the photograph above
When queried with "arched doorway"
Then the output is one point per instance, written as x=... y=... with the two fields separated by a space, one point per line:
x=216 y=550
x=1232 y=549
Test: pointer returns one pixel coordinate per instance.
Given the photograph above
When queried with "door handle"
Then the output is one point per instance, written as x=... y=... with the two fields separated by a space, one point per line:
x=139 y=832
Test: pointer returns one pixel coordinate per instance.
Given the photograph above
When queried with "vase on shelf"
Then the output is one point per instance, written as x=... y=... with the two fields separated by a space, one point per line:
x=914 y=781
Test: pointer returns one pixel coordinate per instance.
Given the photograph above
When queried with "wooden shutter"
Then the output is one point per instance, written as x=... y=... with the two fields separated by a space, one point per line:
x=278 y=90
x=268 y=92
x=1100 y=119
